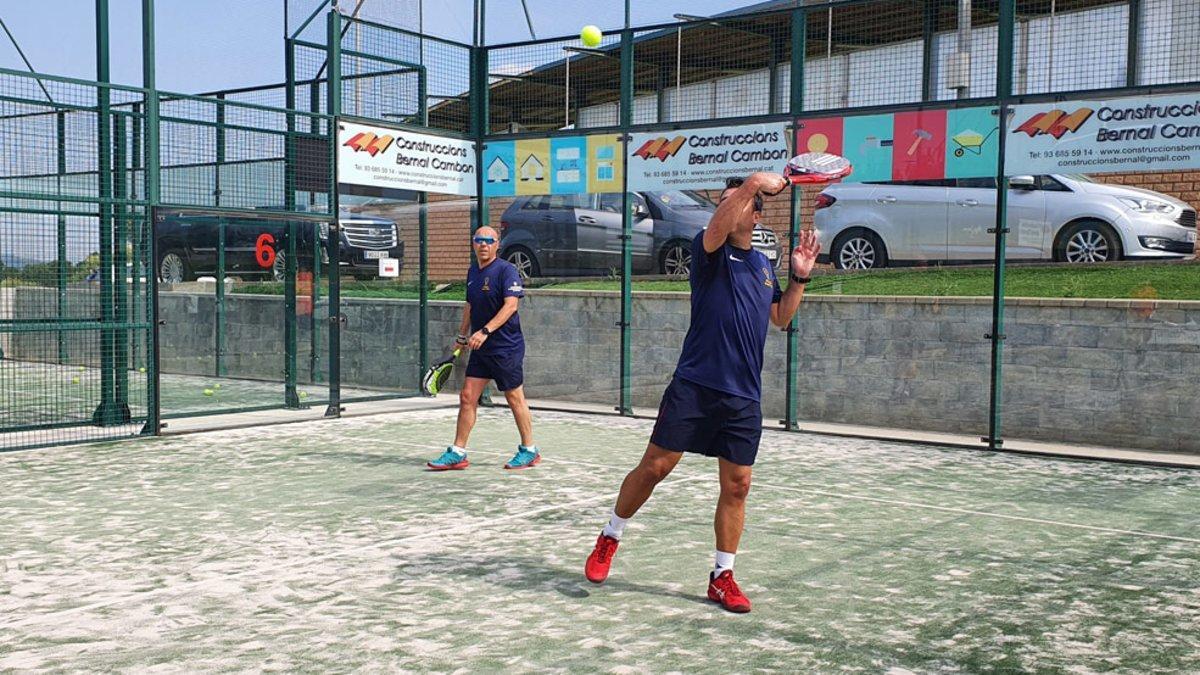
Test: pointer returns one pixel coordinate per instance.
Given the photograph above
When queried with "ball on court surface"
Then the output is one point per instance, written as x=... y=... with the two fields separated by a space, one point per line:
x=81 y=369
x=74 y=380
x=304 y=394
x=142 y=369
x=591 y=36
x=208 y=392
x=217 y=386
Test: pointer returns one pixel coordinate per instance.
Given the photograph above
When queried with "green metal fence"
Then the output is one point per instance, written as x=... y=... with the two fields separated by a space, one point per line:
x=95 y=176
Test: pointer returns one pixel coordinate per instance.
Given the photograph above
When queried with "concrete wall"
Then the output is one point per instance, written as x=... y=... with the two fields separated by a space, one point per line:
x=1107 y=372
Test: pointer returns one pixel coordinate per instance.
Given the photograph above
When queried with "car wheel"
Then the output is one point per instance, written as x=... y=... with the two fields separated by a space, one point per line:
x=1088 y=242
x=858 y=250
x=279 y=267
x=676 y=260
x=172 y=269
x=524 y=260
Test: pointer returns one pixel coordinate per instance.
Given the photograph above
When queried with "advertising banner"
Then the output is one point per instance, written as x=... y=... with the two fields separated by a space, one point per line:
x=917 y=145
x=701 y=159
x=1119 y=135
x=385 y=157
x=543 y=166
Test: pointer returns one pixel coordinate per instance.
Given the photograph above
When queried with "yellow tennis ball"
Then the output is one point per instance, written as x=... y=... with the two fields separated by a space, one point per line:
x=208 y=392
x=591 y=36
x=74 y=380
x=142 y=369
x=304 y=394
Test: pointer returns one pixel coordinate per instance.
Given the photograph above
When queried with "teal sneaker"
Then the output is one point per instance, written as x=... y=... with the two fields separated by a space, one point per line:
x=525 y=458
x=450 y=460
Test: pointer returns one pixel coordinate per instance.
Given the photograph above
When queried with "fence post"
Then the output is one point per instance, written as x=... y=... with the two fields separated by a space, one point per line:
x=625 y=406
x=795 y=105
x=333 y=56
x=1133 y=58
x=153 y=196
x=107 y=413
x=1004 y=94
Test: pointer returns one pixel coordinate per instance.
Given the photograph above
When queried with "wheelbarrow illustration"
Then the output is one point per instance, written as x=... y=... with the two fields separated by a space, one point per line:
x=970 y=141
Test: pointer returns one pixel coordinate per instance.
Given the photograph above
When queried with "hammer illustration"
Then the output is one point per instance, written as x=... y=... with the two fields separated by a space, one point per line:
x=921 y=135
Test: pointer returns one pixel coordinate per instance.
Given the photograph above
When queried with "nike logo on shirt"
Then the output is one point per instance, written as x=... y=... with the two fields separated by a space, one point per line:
x=735 y=259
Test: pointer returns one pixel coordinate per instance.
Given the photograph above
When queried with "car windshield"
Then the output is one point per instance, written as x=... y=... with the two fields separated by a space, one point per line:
x=684 y=199
x=1078 y=177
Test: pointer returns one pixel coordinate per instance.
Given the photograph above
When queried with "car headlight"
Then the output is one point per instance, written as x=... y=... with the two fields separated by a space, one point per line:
x=1144 y=205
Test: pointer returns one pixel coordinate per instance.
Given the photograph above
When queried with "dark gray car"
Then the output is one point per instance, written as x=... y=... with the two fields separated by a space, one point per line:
x=579 y=235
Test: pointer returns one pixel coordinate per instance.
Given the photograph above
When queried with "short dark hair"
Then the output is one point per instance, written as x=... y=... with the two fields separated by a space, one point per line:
x=737 y=182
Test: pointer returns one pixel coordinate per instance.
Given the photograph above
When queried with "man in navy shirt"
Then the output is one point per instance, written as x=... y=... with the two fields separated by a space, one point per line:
x=497 y=352
x=711 y=406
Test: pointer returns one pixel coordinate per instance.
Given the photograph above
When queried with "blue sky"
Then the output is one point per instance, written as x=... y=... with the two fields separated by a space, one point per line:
x=205 y=45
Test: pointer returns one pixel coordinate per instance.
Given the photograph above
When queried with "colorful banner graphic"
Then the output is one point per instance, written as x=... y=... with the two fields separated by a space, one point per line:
x=566 y=165
x=701 y=159
x=1147 y=133
x=919 y=145
x=386 y=157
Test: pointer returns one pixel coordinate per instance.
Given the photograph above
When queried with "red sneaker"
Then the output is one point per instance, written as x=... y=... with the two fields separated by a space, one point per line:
x=596 y=568
x=724 y=589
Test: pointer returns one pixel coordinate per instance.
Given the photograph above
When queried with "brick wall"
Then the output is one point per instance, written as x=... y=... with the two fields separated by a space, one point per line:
x=1184 y=185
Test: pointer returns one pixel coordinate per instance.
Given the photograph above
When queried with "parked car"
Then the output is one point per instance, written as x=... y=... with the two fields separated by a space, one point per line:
x=187 y=244
x=572 y=235
x=1065 y=218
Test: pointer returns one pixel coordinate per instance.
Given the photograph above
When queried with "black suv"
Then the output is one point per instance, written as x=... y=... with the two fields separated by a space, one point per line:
x=187 y=245
x=572 y=235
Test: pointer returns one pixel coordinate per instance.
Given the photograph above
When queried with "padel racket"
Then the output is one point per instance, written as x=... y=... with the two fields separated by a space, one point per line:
x=816 y=167
x=438 y=373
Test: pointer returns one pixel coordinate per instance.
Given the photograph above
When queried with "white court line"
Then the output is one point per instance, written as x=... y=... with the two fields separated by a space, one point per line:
x=193 y=586
x=969 y=512
x=879 y=500
x=891 y=502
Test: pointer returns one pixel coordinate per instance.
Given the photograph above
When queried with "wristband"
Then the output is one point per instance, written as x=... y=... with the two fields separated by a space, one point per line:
x=800 y=280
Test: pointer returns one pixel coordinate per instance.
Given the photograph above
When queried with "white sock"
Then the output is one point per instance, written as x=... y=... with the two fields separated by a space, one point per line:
x=724 y=562
x=461 y=451
x=616 y=526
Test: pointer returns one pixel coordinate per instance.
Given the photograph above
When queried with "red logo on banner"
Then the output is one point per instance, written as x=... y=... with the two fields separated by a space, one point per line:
x=1056 y=123
x=820 y=135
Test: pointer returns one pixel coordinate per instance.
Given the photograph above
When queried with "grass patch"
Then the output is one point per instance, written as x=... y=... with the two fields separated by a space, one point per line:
x=1165 y=281
x=1172 y=281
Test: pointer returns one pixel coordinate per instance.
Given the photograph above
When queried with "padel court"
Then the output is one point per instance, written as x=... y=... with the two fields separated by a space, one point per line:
x=327 y=546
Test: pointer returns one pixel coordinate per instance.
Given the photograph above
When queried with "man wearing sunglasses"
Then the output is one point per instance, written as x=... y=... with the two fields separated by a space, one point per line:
x=497 y=352
x=712 y=405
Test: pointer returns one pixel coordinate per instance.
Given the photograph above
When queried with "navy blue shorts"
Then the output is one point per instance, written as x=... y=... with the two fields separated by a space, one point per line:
x=506 y=368
x=695 y=418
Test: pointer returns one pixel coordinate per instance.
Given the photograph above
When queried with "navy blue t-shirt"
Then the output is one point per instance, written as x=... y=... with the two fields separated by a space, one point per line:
x=732 y=293
x=486 y=290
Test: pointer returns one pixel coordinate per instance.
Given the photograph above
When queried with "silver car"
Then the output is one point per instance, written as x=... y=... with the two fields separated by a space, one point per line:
x=1065 y=218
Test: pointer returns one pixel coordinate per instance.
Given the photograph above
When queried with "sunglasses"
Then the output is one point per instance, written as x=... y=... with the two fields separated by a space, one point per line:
x=484 y=240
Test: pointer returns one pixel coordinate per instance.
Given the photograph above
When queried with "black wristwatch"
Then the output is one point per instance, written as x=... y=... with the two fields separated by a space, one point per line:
x=800 y=280
x=485 y=331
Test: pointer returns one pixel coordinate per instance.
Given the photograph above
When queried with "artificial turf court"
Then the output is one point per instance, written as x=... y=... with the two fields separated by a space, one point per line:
x=44 y=393
x=326 y=546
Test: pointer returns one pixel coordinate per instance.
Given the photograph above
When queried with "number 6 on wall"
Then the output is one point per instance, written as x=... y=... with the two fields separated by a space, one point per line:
x=263 y=253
